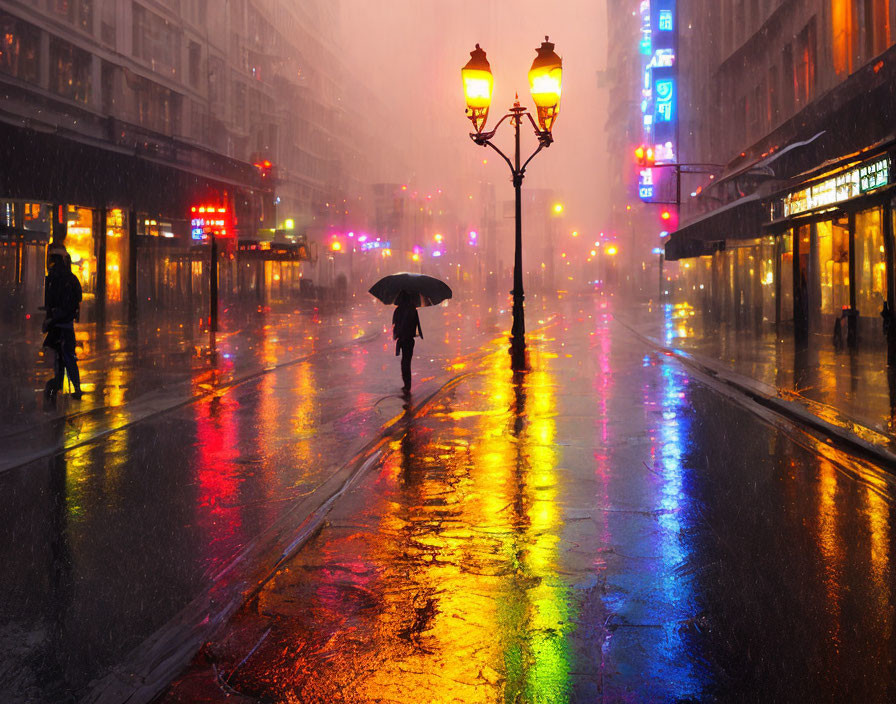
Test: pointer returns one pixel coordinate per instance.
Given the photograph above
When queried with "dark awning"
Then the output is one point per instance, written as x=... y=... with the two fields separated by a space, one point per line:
x=739 y=220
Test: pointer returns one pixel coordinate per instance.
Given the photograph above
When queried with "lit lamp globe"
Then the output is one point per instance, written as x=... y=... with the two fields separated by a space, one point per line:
x=544 y=84
x=478 y=85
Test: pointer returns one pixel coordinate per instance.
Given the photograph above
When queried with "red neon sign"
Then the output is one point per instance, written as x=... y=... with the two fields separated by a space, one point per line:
x=206 y=220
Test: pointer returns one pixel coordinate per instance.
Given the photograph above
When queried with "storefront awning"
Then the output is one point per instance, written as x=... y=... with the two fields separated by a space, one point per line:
x=741 y=219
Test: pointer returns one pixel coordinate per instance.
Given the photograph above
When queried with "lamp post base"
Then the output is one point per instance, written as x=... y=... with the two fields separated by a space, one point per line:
x=518 y=335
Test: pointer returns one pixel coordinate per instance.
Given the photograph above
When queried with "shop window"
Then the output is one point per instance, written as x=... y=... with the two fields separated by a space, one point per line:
x=69 y=71
x=785 y=268
x=80 y=245
x=833 y=265
x=767 y=278
x=871 y=270
x=116 y=253
x=19 y=49
x=37 y=217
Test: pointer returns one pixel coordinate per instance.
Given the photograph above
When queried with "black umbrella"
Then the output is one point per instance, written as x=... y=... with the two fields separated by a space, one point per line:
x=424 y=290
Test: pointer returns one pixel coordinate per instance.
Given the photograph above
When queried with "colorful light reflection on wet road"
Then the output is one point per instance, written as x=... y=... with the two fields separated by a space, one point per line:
x=602 y=526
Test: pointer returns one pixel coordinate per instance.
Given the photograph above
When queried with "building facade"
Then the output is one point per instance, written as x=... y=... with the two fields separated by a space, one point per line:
x=136 y=131
x=794 y=100
x=640 y=56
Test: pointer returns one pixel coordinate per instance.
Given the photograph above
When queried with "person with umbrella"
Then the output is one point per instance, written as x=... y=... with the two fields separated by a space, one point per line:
x=405 y=326
x=406 y=292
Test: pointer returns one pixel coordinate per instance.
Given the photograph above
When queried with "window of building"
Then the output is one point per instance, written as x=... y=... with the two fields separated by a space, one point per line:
x=239 y=105
x=877 y=27
x=833 y=265
x=69 y=71
x=84 y=15
x=78 y=12
x=741 y=131
x=758 y=111
x=843 y=35
x=215 y=82
x=871 y=268
x=787 y=76
x=19 y=49
x=773 y=107
x=195 y=63
x=156 y=41
x=157 y=107
x=804 y=69
x=198 y=121
x=108 y=80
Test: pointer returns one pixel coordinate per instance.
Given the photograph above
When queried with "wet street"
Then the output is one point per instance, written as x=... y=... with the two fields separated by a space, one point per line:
x=602 y=527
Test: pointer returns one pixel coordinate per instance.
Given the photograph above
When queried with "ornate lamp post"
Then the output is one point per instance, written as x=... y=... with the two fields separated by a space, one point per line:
x=544 y=84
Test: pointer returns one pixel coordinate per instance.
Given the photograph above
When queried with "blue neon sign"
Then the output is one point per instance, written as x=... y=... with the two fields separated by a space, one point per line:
x=664 y=96
x=665 y=21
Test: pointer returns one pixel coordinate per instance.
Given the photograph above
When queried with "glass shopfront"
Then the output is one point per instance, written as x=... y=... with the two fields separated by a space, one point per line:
x=79 y=242
x=870 y=268
x=24 y=234
x=785 y=273
x=116 y=255
x=767 y=283
x=833 y=264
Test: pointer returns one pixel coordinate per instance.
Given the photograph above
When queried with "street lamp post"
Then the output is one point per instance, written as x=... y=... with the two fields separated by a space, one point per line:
x=544 y=84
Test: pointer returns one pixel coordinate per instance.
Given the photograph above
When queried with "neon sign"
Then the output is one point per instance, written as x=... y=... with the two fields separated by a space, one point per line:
x=659 y=94
x=665 y=94
x=839 y=188
x=874 y=175
x=665 y=21
x=645 y=45
x=206 y=220
x=368 y=246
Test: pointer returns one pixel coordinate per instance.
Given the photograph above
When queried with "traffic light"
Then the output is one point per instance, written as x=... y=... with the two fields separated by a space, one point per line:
x=265 y=168
x=644 y=155
x=666 y=215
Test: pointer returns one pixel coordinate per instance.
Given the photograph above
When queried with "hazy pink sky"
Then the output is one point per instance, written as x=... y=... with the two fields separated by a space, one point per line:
x=411 y=53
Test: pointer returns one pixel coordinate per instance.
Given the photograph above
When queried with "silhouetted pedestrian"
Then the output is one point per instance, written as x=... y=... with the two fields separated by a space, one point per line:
x=62 y=301
x=405 y=326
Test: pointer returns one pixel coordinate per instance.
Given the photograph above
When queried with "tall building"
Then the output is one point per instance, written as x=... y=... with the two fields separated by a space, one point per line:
x=133 y=130
x=638 y=195
x=793 y=100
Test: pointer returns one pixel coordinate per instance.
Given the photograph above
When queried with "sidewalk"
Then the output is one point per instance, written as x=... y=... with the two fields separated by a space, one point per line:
x=147 y=368
x=849 y=393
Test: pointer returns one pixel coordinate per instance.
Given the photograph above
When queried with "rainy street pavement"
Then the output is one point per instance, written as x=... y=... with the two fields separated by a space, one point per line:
x=606 y=526
x=107 y=542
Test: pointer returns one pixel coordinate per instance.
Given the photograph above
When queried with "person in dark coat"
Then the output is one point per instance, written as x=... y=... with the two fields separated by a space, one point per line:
x=62 y=301
x=405 y=326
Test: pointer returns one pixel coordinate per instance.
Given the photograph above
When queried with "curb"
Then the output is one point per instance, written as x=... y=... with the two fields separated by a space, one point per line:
x=857 y=438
